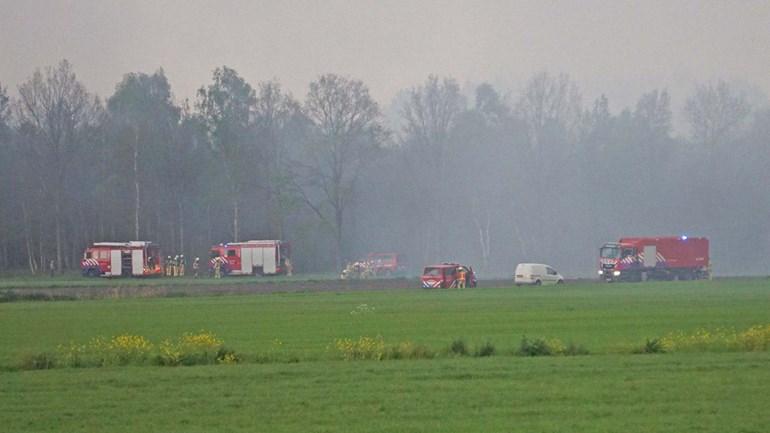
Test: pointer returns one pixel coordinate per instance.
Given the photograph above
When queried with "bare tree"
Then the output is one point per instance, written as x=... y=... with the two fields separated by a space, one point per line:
x=714 y=112
x=274 y=115
x=226 y=107
x=429 y=114
x=549 y=101
x=349 y=132
x=653 y=113
x=56 y=110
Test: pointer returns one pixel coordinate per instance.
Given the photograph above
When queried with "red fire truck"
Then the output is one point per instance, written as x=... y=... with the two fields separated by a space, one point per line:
x=655 y=258
x=444 y=276
x=114 y=259
x=386 y=264
x=251 y=257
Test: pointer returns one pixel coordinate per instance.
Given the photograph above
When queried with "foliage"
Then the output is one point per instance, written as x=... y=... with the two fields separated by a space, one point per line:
x=653 y=345
x=364 y=348
x=38 y=361
x=127 y=349
x=485 y=349
x=458 y=347
x=548 y=347
x=374 y=348
x=755 y=338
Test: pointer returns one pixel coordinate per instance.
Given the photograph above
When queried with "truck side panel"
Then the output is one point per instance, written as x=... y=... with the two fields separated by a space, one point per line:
x=674 y=252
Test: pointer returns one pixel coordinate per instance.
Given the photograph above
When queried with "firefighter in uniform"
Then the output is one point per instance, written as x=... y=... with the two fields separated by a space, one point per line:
x=289 y=267
x=461 y=277
x=180 y=271
x=217 y=268
x=196 y=265
x=168 y=266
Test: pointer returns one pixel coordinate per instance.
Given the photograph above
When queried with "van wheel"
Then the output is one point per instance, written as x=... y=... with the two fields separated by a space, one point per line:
x=538 y=282
x=560 y=282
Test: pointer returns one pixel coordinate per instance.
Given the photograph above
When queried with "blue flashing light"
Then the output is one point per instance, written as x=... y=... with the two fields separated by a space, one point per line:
x=684 y=238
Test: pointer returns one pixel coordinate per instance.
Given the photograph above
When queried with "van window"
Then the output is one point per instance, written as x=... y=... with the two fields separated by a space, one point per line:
x=551 y=271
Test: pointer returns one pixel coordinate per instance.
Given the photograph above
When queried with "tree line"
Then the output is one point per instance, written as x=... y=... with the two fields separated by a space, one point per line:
x=454 y=174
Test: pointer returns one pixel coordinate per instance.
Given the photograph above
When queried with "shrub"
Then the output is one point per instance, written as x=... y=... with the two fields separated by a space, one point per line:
x=458 y=347
x=755 y=338
x=227 y=356
x=192 y=349
x=573 y=349
x=38 y=361
x=363 y=348
x=74 y=355
x=127 y=349
x=547 y=347
x=536 y=347
x=486 y=349
x=409 y=350
x=654 y=345
x=375 y=349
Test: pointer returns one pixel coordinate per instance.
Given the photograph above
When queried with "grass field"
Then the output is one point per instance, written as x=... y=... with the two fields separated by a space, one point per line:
x=608 y=390
x=74 y=279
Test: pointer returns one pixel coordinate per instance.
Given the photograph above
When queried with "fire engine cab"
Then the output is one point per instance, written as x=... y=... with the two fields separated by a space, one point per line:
x=445 y=276
x=115 y=259
x=266 y=257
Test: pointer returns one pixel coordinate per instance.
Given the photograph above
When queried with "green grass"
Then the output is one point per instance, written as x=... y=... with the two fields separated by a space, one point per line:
x=71 y=279
x=609 y=390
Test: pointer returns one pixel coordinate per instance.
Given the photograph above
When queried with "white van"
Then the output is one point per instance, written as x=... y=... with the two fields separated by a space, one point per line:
x=536 y=274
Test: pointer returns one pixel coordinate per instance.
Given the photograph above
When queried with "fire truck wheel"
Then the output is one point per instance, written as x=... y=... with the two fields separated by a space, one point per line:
x=92 y=272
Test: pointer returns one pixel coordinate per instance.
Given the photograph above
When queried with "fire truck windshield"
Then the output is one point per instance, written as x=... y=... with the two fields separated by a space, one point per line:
x=609 y=253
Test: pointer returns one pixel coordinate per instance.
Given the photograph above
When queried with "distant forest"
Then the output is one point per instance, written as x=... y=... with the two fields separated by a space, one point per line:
x=469 y=176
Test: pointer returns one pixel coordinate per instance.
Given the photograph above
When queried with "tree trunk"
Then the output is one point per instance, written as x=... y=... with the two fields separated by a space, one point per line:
x=136 y=184
x=180 y=223
x=58 y=238
x=338 y=239
x=28 y=238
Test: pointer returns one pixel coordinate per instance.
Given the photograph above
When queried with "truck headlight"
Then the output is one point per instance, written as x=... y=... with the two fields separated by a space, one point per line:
x=601 y=272
x=616 y=273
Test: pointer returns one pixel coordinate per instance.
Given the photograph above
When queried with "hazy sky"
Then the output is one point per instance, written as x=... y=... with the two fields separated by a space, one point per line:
x=616 y=47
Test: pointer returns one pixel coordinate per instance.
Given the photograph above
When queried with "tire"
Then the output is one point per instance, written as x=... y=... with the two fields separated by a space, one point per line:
x=538 y=283
x=560 y=282
x=93 y=272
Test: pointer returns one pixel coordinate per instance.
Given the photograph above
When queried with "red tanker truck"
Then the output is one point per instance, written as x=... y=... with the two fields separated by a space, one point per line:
x=655 y=258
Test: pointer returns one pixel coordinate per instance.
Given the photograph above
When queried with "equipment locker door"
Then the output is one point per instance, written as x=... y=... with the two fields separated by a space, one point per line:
x=247 y=260
x=650 y=256
x=115 y=263
x=268 y=260
x=137 y=262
